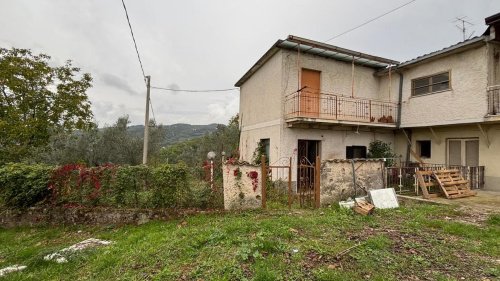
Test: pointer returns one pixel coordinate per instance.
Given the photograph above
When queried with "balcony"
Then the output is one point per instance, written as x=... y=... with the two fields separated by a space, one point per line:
x=306 y=107
x=493 y=100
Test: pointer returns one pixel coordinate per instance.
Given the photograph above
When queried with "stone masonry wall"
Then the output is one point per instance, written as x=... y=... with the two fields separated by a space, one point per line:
x=242 y=186
x=48 y=215
x=337 y=182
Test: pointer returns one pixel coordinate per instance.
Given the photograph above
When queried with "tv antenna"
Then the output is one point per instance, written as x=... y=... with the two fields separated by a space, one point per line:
x=463 y=24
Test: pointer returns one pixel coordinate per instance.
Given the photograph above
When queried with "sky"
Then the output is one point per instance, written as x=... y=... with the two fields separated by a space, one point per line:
x=210 y=44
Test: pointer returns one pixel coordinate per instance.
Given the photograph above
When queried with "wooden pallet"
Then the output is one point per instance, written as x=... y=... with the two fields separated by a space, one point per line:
x=426 y=182
x=363 y=208
x=452 y=184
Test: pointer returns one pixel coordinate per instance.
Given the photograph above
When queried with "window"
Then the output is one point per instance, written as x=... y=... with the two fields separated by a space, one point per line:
x=262 y=149
x=265 y=143
x=424 y=148
x=430 y=84
x=355 y=151
x=463 y=152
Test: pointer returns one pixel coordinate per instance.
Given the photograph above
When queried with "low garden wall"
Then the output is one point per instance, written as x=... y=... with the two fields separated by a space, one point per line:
x=93 y=216
x=242 y=186
x=344 y=178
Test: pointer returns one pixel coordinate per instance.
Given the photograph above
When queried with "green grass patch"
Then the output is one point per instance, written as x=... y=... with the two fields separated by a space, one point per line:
x=415 y=241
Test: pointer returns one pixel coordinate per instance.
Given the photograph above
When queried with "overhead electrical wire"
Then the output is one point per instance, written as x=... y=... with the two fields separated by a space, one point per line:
x=194 y=91
x=369 y=21
x=135 y=43
x=152 y=111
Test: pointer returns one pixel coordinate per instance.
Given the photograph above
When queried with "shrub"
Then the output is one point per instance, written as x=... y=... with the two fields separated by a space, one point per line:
x=74 y=185
x=131 y=185
x=22 y=185
x=170 y=185
x=380 y=149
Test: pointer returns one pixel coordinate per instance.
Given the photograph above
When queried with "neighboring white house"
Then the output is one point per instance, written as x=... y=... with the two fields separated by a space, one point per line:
x=305 y=98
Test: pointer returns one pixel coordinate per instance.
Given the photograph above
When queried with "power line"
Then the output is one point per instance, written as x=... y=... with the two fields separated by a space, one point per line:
x=194 y=91
x=152 y=111
x=135 y=43
x=369 y=21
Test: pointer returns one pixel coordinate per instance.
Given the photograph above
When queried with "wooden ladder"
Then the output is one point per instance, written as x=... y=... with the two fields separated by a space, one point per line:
x=452 y=184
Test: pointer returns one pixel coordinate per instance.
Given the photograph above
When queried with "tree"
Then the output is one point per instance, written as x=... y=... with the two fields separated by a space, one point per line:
x=38 y=100
x=193 y=152
x=111 y=144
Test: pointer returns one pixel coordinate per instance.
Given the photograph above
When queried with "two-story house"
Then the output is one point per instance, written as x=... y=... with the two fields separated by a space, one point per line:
x=304 y=98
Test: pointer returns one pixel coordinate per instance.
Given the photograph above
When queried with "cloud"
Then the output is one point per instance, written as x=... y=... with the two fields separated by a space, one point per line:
x=214 y=44
x=116 y=82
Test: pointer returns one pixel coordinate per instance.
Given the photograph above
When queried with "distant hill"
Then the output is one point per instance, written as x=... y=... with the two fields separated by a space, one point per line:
x=178 y=132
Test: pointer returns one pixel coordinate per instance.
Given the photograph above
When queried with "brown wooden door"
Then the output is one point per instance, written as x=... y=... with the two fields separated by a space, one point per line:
x=309 y=96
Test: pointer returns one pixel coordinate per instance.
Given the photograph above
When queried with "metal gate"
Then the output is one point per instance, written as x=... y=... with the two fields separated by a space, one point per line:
x=277 y=180
x=308 y=178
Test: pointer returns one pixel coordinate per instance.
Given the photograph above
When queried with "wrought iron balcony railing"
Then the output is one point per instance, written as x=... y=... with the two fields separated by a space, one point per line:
x=307 y=105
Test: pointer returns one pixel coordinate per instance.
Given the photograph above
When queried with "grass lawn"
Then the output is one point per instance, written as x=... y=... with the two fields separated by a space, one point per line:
x=415 y=242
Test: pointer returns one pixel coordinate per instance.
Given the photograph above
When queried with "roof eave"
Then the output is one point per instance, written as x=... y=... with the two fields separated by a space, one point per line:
x=438 y=54
x=267 y=55
x=492 y=19
x=312 y=43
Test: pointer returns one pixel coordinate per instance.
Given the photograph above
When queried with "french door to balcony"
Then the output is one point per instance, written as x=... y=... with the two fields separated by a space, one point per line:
x=463 y=152
x=309 y=96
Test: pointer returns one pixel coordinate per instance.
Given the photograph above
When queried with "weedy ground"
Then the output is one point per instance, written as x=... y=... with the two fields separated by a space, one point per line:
x=414 y=242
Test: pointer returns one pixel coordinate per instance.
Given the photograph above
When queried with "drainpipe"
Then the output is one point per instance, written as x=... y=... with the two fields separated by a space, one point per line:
x=400 y=101
x=408 y=148
x=400 y=106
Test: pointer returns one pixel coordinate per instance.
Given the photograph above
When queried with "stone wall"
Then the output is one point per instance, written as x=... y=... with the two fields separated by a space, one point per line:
x=242 y=186
x=92 y=216
x=337 y=182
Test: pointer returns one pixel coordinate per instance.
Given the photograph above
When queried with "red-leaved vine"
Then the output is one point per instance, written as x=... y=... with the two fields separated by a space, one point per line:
x=254 y=176
x=71 y=181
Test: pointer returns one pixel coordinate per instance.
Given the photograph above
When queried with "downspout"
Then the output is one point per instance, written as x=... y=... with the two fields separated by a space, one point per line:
x=408 y=148
x=400 y=98
x=400 y=106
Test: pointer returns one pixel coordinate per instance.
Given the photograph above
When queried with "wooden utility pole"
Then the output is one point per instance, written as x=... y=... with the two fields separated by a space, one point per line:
x=146 y=123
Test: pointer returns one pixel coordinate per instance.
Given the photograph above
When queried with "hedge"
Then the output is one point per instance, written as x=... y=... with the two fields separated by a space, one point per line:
x=24 y=185
x=165 y=186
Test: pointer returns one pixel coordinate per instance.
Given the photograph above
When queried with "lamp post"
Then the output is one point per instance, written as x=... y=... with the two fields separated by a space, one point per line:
x=211 y=156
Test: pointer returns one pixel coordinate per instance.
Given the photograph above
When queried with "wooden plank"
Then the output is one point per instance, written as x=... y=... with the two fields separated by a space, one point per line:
x=466 y=194
x=424 y=185
x=441 y=185
x=457 y=182
x=317 y=178
x=363 y=208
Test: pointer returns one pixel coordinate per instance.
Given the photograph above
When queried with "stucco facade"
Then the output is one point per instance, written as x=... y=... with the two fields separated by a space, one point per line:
x=263 y=99
x=489 y=147
x=462 y=110
x=464 y=102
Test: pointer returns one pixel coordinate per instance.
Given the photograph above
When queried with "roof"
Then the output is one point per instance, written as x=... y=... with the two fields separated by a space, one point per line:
x=467 y=44
x=492 y=19
x=306 y=46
